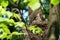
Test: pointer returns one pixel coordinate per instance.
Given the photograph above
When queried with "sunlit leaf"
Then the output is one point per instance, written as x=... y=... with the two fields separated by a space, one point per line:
x=16 y=33
x=31 y=28
x=4 y=3
x=38 y=30
x=5 y=28
x=25 y=1
x=55 y=2
x=9 y=36
x=35 y=30
x=20 y=24
x=4 y=35
x=14 y=0
x=9 y=14
x=34 y=4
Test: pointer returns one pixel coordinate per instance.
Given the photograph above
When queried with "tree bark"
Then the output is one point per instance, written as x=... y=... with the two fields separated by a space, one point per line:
x=54 y=23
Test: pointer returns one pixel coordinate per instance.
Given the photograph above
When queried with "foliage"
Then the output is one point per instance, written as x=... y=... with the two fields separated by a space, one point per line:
x=14 y=0
x=33 y=4
x=4 y=3
x=9 y=27
x=6 y=22
x=35 y=30
x=45 y=7
x=55 y=2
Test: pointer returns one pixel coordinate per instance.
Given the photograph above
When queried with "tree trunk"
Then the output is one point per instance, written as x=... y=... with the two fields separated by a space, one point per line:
x=53 y=25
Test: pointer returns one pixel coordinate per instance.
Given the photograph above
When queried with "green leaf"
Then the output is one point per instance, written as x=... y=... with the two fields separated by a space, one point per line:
x=35 y=30
x=20 y=24
x=34 y=4
x=9 y=36
x=55 y=2
x=1 y=31
x=4 y=35
x=9 y=14
x=31 y=28
x=14 y=0
x=5 y=28
x=25 y=1
x=11 y=22
x=4 y=3
x=38 y=30
x=16 y=33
